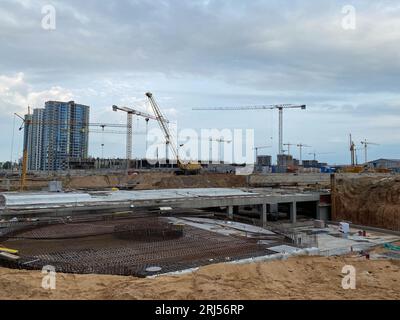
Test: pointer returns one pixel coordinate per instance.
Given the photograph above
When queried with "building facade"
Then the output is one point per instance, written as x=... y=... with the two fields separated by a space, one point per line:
x=264 y=161
x=391 y=164
x=57 y=134
x=33 y=136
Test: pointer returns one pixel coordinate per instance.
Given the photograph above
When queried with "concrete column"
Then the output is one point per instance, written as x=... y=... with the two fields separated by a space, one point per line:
x=230 y=212
x=293 y=212
x=264 y=214
x=317 y=213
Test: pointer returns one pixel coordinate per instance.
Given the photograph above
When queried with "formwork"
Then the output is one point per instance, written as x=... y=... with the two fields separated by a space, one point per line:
x=123 y=247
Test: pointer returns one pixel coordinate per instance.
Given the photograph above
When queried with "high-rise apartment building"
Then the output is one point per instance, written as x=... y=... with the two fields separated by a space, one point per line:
x=33 y=138
x=57 y=134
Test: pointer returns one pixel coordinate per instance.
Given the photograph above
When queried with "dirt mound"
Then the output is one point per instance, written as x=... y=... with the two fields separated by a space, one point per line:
x=370 y=201
x=296 y=278
x=202 y=181
x=156 y=180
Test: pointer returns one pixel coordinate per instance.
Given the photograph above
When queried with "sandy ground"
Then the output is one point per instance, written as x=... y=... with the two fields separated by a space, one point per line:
x=296 y=278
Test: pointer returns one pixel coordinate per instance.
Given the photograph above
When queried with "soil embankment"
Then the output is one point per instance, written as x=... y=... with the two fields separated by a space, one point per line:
x=297 y=278
x=368 y=200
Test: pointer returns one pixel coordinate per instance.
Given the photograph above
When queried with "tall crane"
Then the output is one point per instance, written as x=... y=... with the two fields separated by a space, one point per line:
x=301 y=146
x=187 y=168
x=26 y=122
x=315 y=154
x=220 y=142
x=288 y=146
x=366 y=144
x=260 y=148
x=353 y=152
x=280 y=107
x=130 y=112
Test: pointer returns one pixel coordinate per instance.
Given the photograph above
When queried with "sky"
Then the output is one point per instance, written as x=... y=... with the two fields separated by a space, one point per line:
x=344 y=64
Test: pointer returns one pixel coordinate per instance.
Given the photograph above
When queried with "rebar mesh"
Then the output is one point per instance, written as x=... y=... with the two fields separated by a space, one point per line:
x=125 y=247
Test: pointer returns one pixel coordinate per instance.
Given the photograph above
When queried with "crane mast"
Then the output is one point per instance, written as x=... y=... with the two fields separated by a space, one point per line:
x=366 y=144
x=129 y=134
x=352 y=152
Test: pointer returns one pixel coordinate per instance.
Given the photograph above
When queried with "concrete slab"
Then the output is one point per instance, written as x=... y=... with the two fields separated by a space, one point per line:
x=284 y=249
x=46 y=198
x=222 y=227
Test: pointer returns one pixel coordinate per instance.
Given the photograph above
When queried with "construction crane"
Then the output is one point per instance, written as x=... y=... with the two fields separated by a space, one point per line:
x=102 y=131
x=27 y=122
x=366 y=144
x=130 y=112
x=280 y=107
x=187 y=168
x=288 y=146
x=353 y=152
x=260 y=148
x=220 y=142
x=320 y=153
x=301 y=146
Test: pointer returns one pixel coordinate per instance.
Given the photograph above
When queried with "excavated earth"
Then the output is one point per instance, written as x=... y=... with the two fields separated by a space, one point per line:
x=368 y=200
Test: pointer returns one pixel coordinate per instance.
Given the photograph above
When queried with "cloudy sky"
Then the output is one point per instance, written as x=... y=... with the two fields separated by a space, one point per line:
x=210 y=53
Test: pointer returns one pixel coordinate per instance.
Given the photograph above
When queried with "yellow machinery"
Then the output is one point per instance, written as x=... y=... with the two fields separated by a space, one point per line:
x=187 y=168
x=351 y=169
x=7 y=250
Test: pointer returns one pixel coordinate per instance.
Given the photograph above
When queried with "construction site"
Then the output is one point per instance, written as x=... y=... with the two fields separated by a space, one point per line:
x=197 y=229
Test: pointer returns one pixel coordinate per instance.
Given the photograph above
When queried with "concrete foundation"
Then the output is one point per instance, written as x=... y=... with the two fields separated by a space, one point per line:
x=69 y=203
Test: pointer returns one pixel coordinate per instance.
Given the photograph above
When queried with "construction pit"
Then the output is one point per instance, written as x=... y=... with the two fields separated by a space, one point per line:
x=149 y=234
x=167 y=233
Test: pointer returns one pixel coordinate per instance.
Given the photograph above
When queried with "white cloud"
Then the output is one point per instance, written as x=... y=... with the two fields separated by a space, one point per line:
x=16 y=94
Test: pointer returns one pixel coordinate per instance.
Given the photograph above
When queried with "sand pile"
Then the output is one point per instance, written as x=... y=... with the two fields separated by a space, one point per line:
x=371 y=201
x=296 y=278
